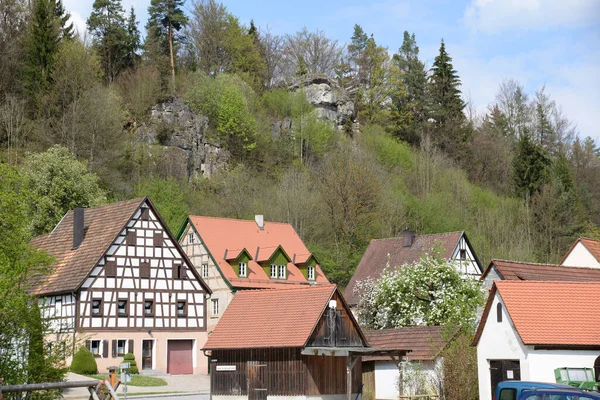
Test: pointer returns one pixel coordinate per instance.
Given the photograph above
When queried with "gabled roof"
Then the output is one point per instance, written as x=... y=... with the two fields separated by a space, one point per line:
x=525 y=271
x=219 y=234
x=102 y=226
x=425 y=342
x=392 y=250
x=592 y=245
x=552 y=314
x=272 y=318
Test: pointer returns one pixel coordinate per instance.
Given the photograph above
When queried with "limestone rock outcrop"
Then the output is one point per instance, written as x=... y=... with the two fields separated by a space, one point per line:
x=182 y=133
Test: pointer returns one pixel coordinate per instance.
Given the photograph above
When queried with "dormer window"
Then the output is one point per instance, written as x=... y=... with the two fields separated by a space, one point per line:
x=243 y=267
x=273 y=271
x=311 y=273
x=282 y=271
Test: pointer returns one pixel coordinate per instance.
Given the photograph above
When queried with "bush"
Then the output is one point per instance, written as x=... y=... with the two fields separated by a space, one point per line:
x=84 y=362
x=130 y=358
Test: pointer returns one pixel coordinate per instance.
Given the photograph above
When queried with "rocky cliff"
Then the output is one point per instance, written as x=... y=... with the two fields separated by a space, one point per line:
x=182 y=135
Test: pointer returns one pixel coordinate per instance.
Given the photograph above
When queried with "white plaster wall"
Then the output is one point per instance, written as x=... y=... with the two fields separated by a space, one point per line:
x=387 y=376
x=323 y=397
x=491 y=276
x=542 y=363
x=498 y=341
x=468 y=266
x=581 y=257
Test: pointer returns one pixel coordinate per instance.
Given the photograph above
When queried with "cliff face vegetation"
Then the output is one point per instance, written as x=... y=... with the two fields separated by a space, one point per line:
x=347 y=143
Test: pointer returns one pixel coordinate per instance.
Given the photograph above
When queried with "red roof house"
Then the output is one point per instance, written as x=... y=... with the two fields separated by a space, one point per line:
x=583 y=252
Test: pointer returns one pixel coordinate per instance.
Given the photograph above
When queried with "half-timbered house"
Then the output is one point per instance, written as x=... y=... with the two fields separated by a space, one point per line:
x=301 y=342
x=408 y=249
x=233 y=255
x=122 y=284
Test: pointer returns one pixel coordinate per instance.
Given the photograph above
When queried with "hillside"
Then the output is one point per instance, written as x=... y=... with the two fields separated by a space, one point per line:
x=347 y=146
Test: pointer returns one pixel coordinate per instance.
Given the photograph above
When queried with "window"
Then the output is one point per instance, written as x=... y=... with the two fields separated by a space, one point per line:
x=311 y=273
x=145 y=214
x=243 y=269
x=282 y=272
x=204 y=270
x=181 y=308
x=499 y=312
x=190 y=238
x=144 y=269
x=158 y=239
x=148 y=308
x=130 y=237
x=463 y=254
x=121 y=347
x=95 y=347
x=96 y=308
x=179 y=271
x=122 y=308
x=508 y=394
x=58 y=306
x=110 y=269
x=215 y=306
x=273 y=271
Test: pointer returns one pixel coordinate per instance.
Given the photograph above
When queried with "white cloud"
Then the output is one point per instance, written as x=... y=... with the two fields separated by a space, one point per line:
x=78 y=24
x=493 y=16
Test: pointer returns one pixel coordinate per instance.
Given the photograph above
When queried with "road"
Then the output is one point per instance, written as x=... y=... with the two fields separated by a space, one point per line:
x=173 y=397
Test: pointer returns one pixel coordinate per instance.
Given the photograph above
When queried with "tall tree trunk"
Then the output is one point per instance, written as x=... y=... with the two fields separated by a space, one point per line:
x=172 y=57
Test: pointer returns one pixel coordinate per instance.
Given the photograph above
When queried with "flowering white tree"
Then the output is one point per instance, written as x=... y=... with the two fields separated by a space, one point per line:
x=429 y=292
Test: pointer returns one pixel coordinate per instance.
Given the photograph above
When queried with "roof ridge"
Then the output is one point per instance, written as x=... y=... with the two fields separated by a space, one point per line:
x=590 y=239
x=526 y=282
x=292 y=289
x=541 y=264
x=420 y=235
x=237 y=219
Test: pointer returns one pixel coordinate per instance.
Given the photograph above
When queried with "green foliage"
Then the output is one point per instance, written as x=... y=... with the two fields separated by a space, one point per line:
x=530 y=167
x=168 y=196
x=429 y=292
x=459 y=368
x=84 y=362
x=58 y=183
x=130 y=358
x=140 y=90
x=283 y=103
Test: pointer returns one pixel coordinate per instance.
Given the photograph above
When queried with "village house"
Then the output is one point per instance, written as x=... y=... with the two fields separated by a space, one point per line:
x=583 y=253
x=526 y=271
x=233 y=255
x=531 y=328
x=420 y=369
x=122 y=284
x=408 y=249
x=301 y=342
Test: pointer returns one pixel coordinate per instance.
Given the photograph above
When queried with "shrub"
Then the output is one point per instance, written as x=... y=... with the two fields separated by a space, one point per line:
x=84 y=362
x=130 y=358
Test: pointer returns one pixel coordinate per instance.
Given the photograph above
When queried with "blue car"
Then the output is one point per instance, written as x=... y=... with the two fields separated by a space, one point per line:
x=558 y=394
x=511 y=390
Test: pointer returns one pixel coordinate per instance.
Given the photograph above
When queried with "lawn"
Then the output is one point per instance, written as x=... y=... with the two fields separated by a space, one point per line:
x=136 y=380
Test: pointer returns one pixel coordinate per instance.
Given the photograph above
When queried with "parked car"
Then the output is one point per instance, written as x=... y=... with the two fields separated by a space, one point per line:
x=511 y=390
x=558 y=394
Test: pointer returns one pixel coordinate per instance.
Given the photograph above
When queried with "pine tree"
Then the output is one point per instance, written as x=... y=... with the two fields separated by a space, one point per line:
x=167 y=17
x=530 y=167
x=107 y=26
x=133 y=41
x=62 y=16
x=449 y=131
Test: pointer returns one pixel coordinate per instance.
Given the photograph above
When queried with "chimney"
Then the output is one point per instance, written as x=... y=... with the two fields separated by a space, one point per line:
x=78 y=226
x=409 y=237
x=260 y=221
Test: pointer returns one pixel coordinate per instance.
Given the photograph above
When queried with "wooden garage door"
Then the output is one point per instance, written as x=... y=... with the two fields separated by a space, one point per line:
x=179 y=357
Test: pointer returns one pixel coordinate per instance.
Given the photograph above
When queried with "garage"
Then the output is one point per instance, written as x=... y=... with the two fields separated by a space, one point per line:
x=180 y=357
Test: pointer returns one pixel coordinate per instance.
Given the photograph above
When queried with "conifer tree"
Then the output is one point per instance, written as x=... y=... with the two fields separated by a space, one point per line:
x=167 y=17
x=530 y=166
x=133 y=41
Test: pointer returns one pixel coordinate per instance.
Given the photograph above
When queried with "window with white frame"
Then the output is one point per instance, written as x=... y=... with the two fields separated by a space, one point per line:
x=204 y=270
x=96 y=308
x=121 y=347
x=243 y=267
x=95 y=347
x=282 y=270
x=122 y=308
x=182 y=308
x=58 y=306
x=148 y=308
x=273 y=271
x=190 y=238
x=215 y=306
x=311 y=273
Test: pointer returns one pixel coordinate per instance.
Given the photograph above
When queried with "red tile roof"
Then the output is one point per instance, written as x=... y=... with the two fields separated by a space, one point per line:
x=392 y=250
x=557 y=314
x=425 y=342
x=517 y=270
x=270 y=318
x=221 y=234
x=71 y=267
x=592 y=245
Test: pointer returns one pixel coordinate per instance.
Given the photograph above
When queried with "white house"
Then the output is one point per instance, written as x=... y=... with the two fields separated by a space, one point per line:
x=583 y=253
x=530 y=328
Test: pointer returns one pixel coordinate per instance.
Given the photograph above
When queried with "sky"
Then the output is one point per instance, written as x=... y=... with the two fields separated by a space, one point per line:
x=555 y=43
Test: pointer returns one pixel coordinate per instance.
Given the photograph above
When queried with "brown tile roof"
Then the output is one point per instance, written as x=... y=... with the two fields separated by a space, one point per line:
x=552 y=313
x=525 y=271
x=221 y=234
x=592 y=245
x=425 y=342
x=71 y=267
x=380 y=251
x=270 y=318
